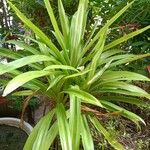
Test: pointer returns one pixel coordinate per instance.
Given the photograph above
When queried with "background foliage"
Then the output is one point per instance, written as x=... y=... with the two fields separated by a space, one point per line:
x=133 y=19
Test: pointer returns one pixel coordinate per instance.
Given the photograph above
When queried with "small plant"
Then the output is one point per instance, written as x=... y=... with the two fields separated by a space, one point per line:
x=76 y=75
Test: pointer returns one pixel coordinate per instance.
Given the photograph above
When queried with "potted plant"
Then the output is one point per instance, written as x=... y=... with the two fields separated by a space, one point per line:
x=75 y=75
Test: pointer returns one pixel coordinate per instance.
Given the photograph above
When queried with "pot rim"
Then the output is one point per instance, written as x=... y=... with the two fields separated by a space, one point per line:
x=16 y=122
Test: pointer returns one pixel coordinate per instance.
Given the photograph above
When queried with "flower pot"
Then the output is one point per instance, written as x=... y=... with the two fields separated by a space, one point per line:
x=11 y=135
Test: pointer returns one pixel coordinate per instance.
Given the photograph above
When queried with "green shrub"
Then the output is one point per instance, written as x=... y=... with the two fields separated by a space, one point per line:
x=76 y=75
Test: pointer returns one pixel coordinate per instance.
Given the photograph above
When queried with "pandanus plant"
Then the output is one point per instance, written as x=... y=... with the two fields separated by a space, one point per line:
x=81 y=78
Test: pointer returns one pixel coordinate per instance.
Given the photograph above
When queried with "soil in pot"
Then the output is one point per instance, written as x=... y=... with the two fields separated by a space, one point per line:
x=12 y=138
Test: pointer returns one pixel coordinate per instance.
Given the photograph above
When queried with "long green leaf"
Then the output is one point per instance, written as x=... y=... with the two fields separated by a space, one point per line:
x=75 y=121
x=125 y=99
x=12 y=73
x=63 y=127
x=30 y=141
x=110 y=53
x=112 y=107
x=43 y=48
x=99 y=73
x=51 y=15
x=84 y=96
x=123 y=75
x=98 y=51
x=24 y=61
x=55 y=81
x=118 y=91
x=39 y=132
x=39 y=142
x=63 y=67
x=111 y=139
x=63 y=19
x=129 y=59
x=23 y=93
x=16 y=55
x=59 y=35
x=22 y=79
x=126 y=37
x=51 y=135
x=117 y=59
x=125 y=86
x=77 y=74
x=77 y=30
x=86 y=135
